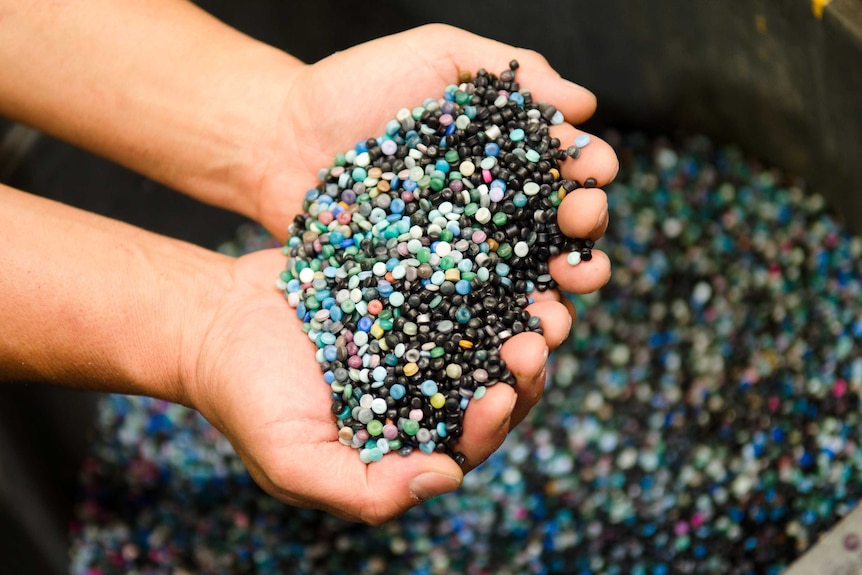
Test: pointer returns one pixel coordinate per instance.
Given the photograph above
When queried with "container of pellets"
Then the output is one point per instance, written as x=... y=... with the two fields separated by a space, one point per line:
x=703 y=415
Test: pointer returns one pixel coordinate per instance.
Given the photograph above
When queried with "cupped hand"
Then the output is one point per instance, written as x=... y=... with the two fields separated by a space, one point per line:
x=257 y=379
x=350 y=96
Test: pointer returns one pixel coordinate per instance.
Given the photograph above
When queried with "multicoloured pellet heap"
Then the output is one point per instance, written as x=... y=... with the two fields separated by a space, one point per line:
x=413 y=260
x=704 y=416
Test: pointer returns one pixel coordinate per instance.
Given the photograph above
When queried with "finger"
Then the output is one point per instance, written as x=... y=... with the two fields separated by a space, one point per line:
x=410 y=480
x=554 y=295
x=547 y=295
x=596 y=160
x=331 y=477
x=556 y=321
x=486 y=424
x=468 y=52
x=583 y=213
x=586 y=277
x=525 y=356
x=570 y=307
x=575 y=102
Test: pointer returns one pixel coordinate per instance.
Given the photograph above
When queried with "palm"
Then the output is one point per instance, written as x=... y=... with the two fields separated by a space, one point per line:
x=264 y=389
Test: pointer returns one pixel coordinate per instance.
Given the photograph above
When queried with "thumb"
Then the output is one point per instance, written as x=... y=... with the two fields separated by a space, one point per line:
x=398 y=483
x=431 y=484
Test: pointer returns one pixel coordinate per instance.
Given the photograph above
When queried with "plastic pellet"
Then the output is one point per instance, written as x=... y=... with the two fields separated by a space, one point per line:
x=582 y=140
x=412 y=260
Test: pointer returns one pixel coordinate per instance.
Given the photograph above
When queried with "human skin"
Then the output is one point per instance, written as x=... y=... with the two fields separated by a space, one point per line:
x=165 y=89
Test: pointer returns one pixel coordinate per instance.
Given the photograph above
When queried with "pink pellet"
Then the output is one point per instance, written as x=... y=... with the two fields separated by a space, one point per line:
x=773 y=403
x=840 y=388
x=390 y=431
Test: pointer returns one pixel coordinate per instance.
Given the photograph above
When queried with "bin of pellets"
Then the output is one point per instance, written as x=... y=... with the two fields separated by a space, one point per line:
x=703 y=416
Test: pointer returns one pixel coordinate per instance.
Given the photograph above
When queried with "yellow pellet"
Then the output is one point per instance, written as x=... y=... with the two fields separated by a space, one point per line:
x=466 y=344
x=453 y=274
x=411 y=369
x=438 y=400
x=376 y=330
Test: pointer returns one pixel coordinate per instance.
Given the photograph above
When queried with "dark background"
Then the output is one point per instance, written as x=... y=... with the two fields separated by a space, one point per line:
x=769 y=76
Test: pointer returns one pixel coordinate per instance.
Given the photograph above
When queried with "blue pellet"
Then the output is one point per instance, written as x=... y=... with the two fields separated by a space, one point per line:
x=397 y=391
x=428 y=387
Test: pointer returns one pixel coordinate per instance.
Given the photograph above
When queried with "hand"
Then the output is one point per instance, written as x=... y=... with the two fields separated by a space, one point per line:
x=351 y=95
x=256 y=378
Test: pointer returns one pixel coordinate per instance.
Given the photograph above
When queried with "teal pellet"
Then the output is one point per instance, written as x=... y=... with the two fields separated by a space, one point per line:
x=463 y=314
x=516 y=135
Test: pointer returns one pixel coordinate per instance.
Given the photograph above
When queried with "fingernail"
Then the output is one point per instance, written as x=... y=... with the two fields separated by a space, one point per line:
x=431 y=484
x=513 y=403
x=541 y=369
x=575 y=85
x=600 y=222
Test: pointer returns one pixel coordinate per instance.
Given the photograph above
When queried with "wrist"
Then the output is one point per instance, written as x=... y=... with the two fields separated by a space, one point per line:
x=166 y=90
x=102 y=306
x=251 y=134
x=184 y=294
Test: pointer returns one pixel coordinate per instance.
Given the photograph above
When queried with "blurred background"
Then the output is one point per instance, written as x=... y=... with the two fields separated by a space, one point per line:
x=780 y=79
